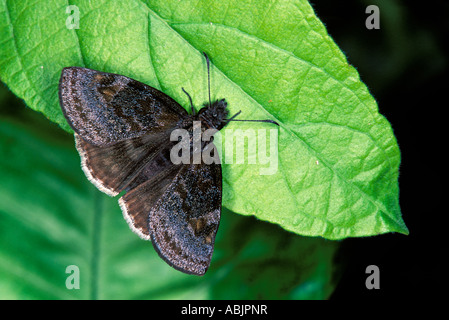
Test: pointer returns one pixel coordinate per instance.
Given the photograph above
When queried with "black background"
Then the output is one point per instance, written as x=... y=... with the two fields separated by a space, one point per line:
x=406 y=69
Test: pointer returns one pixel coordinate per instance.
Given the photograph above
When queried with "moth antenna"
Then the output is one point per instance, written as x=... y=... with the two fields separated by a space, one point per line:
x=235 y=115
x=208 y=75
x=267 y=121
x=191 y=103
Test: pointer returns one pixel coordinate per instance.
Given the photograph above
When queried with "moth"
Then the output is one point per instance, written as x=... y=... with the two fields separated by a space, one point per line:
x=122 y=133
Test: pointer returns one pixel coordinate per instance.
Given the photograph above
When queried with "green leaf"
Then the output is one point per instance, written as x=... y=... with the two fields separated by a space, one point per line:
x=338 y=158
x=51 y=217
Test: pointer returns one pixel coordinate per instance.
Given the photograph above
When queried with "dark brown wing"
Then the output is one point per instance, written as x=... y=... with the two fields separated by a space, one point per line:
x=122 y=132
x=146 y=189
x=120 y=124
x=182 y=216
x=105 y=108
x=112 y=168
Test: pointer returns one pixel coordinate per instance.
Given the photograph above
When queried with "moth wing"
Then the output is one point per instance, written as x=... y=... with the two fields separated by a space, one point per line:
x=105 y=108
x=112 y=168
x=144 y=193
x=183 y=221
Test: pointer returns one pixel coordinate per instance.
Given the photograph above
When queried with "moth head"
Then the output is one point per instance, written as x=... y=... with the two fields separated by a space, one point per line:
x=215 y=115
